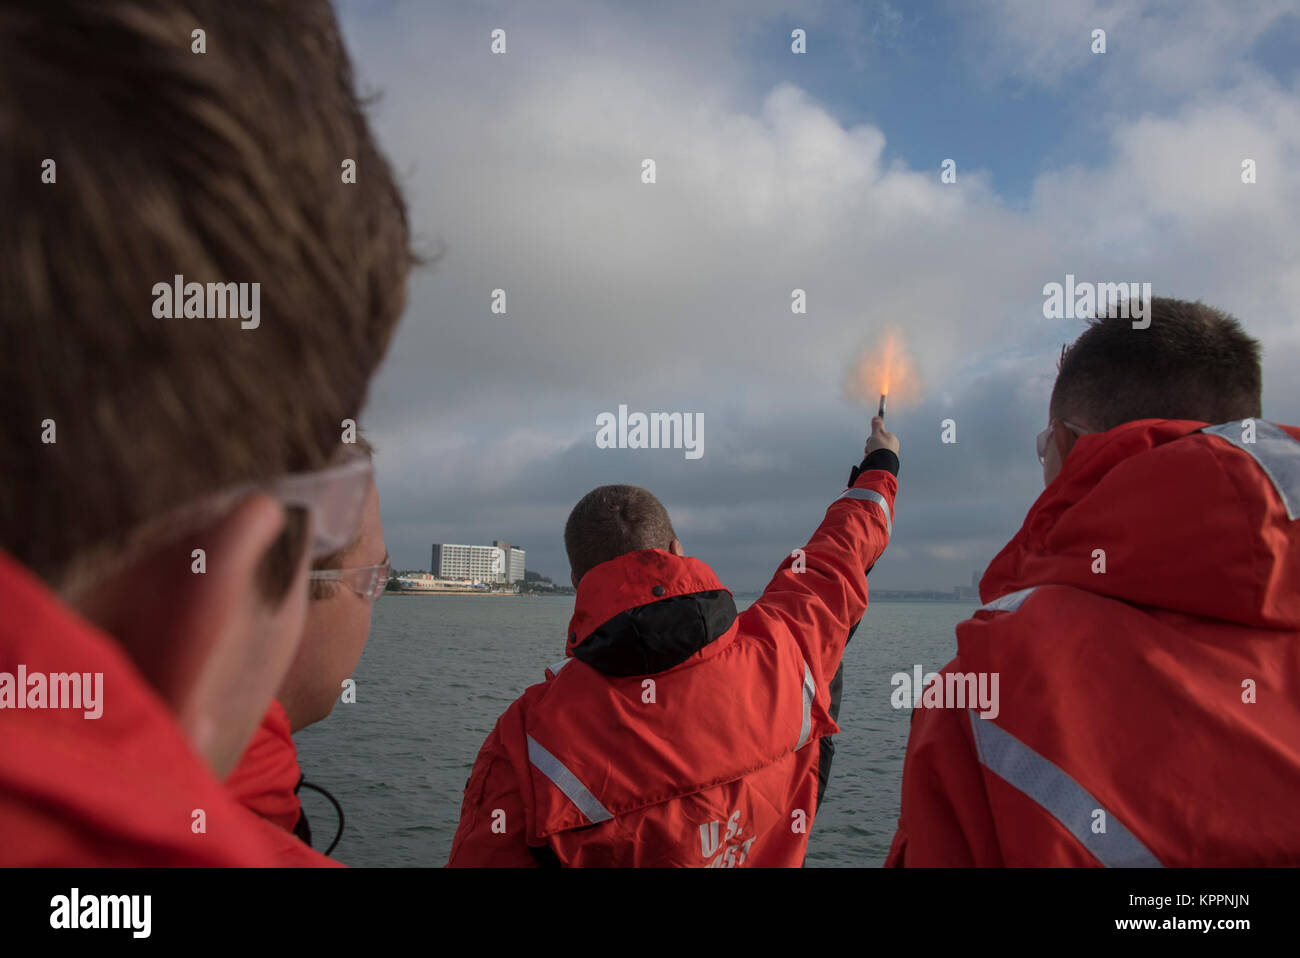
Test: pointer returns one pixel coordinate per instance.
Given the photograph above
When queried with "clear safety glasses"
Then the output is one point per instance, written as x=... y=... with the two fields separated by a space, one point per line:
x=335 y=497
x=367 y=581
x=1046 y=435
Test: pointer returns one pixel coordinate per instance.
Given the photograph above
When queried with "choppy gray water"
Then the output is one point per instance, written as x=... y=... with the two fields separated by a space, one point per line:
x=438 y=671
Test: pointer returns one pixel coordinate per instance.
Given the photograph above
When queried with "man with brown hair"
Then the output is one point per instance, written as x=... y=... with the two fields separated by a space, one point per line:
x=1143 y=624
x=168 y=480
x=612 y=520
x=676 y=732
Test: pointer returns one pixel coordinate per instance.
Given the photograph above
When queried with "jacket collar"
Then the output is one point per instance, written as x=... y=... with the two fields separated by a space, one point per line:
x=266 y=779
x=645 y=612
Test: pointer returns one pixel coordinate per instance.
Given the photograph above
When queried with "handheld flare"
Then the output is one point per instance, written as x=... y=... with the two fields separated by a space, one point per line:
x=881 y=411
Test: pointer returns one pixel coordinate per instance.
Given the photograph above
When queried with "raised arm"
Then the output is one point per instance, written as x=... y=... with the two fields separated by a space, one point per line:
x=820 y=592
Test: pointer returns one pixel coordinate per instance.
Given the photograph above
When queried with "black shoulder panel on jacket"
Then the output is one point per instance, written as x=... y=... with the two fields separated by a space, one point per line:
x=655 y=637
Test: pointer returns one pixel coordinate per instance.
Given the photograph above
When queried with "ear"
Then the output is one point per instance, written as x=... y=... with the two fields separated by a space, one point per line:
x=675 y=547
x=207 y=641
x=1064 y=438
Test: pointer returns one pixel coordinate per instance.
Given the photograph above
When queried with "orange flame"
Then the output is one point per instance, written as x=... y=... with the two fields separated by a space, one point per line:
x=884 y=369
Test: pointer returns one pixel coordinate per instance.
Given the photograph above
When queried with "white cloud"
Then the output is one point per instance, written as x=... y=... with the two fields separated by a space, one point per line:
x=676 y=296
x=1169 y=47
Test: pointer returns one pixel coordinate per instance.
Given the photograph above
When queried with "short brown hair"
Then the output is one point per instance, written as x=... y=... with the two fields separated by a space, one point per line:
x=611 y=521
x=222 y=166
x=1193 y=362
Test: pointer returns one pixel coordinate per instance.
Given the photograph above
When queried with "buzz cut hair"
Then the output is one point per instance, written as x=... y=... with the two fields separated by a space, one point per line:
x=611 y=521
x=1192 y=362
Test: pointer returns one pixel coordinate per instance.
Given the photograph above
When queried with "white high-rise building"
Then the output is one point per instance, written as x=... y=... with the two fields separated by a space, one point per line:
x=454 y=561
x=514 y=559
x=499 y=562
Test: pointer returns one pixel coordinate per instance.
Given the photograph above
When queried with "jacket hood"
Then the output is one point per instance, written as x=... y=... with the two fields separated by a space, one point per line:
x=1183 y=520
x=645 y=612
x=266 y=779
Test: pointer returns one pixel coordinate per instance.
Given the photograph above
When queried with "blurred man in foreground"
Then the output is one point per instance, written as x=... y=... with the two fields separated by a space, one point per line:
x=1144 y=623
x=169 y=467
x=676 y=732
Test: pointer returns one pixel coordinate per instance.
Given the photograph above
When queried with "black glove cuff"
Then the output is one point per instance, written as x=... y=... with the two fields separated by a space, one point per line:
x=885 y=459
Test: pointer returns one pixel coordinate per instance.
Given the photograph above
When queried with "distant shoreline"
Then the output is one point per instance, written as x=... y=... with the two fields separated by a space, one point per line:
x=500 y=595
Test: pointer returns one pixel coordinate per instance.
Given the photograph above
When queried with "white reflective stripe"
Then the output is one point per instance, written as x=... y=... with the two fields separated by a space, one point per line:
x=809 y=693
x=1009 y=602
x=555 y=669
x=1059 y=795
x=870 y=495
x=1275 y=451
x=567 y=782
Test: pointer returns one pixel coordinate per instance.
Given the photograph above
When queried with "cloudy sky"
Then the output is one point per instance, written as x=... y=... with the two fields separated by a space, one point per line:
x=819 y=171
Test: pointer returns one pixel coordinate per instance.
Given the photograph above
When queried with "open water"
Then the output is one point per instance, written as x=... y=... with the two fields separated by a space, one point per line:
x=439 y=670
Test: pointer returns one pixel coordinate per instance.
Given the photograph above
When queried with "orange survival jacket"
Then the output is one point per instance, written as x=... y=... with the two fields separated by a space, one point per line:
x=1145 y=627
x=122 y=788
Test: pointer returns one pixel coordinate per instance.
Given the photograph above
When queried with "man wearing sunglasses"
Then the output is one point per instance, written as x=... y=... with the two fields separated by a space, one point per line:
x=166 y=483
x=1144 y=624
x=344 y=587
